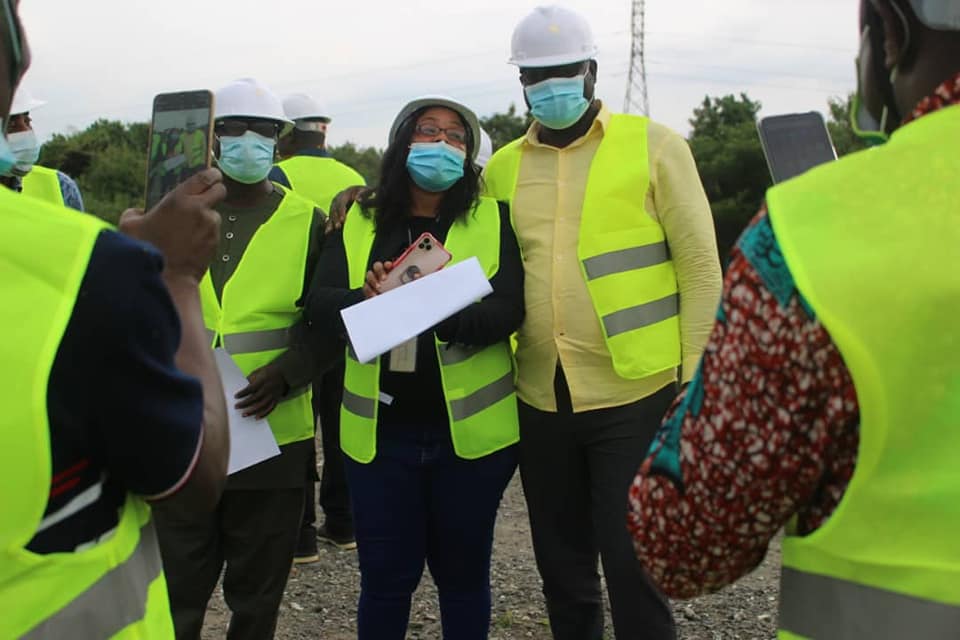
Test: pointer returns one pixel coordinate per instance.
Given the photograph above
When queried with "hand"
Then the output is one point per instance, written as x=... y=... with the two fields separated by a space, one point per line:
x=375 y=278
x=183 y=226
x=267 y=387
x=341 y=204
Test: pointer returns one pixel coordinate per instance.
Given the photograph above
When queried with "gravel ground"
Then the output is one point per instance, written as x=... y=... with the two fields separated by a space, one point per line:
x=321 y=598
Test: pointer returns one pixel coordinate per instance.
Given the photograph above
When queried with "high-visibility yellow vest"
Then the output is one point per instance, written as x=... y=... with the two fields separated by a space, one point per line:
x=319 y=179
x=873 y=243
x=258 y=306
x=194 y=147
x=44 y=184
x=478 y=383
x=622 y=250
x=116 y=588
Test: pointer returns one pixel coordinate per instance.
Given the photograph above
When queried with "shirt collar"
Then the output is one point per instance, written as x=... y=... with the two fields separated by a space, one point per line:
x=597 y=127
x=947 y=94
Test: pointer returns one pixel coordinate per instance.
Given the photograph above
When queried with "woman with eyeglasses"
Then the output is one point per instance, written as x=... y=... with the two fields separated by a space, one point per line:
x=429 y=430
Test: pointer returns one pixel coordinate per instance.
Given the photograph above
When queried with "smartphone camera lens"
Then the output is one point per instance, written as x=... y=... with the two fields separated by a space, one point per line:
x=420 y=245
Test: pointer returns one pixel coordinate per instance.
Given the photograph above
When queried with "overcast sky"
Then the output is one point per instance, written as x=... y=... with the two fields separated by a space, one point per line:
x=365 y=58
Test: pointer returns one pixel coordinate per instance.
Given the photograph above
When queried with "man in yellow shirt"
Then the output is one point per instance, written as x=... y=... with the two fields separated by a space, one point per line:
x=622 y=281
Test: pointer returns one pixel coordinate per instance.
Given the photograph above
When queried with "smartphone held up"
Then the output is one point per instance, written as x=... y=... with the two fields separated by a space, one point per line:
x=794 y=143
x=424 y=256
x=181 y=138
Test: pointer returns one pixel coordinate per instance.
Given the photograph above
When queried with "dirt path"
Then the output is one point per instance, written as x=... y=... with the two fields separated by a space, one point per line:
x=321 y=598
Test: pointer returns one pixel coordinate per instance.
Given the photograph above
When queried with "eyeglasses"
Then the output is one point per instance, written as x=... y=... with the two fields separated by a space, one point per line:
x=236 y=128
x=432 y=131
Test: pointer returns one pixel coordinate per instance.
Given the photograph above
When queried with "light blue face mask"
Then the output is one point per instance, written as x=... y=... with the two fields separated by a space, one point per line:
x=26 y=149
x=557 y=103
x=7 y=157
x=435 y=166
x=247 y=158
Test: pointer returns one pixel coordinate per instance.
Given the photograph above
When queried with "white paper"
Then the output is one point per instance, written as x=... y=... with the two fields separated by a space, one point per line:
x=251 y=440
x=382 y=322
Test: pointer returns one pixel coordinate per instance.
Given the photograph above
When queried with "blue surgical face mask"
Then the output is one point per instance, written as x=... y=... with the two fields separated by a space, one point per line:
x=26 y=149
x=435 y=166
x=247 y=158
x=557 y=103
x=7 y=157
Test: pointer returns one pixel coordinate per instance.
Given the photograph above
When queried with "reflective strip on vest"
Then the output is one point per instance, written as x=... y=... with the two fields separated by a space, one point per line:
x=814 y=606
x=455 y=354
x=358 y=405
x=614 y=262
x=113 y=602
x=255 y=341
x=482 y=398
x=642 y=315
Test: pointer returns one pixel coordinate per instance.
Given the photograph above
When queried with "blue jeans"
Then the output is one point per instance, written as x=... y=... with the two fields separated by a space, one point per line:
x=417 y=501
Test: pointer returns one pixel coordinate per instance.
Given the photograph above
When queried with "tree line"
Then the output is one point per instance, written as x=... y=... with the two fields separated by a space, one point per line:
x=108 y=158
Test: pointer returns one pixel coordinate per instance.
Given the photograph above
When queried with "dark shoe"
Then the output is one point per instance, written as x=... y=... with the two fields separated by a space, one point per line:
x=306 y=547
x=344 y=542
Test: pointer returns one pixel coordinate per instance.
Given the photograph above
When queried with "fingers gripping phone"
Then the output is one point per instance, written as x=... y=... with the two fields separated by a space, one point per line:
x=421 y=258
x=181 y=135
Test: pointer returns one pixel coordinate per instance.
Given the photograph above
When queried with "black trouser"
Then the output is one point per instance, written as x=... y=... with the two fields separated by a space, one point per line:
x=576 y=470
x=334 y=495
x=253 y=532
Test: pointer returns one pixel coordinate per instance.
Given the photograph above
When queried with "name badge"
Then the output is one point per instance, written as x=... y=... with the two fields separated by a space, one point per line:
x=403 y=358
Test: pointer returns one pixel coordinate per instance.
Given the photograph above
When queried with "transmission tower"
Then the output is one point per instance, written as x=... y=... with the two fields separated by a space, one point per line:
x=637 y=100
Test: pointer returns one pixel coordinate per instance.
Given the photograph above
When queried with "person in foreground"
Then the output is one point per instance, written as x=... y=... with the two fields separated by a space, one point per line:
x=828 y=399
x=112 y=398
x=429 y=430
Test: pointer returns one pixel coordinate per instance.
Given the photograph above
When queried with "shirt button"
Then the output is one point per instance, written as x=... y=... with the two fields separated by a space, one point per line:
x=232 y=218
x=229 y=235
x=226 y=258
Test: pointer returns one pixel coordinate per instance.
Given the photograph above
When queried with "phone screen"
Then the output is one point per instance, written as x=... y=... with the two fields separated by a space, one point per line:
x=180 y=138
x=795 y=143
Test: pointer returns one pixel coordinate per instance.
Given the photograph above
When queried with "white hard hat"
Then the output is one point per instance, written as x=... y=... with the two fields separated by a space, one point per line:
x=300 y=106
x=552 y=36
x=938 y=14
x=247 y=98
x=486 y=150
x=469 y=117
x=24 y=102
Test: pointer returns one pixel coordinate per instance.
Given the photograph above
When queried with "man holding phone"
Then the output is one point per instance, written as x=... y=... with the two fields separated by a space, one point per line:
x=111 y=398
x=827 y=401
x=251 y=302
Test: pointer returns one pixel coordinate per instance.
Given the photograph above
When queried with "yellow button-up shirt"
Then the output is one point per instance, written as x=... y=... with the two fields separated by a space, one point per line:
x=561 y=322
